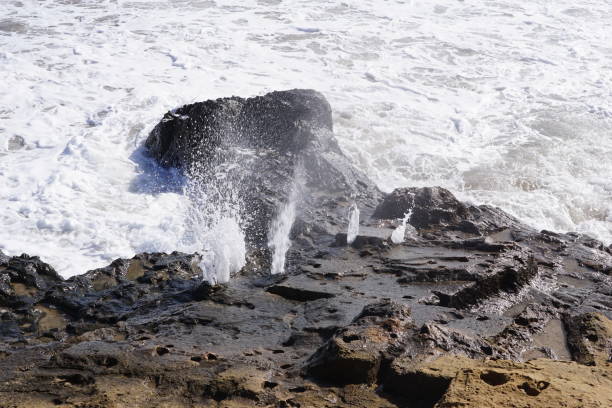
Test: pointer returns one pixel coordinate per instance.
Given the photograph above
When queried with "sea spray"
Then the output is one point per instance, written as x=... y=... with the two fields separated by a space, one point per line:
x=280 y=229
x=353 y=226
x=215 y=225
x=398 y=236
x=224 y=251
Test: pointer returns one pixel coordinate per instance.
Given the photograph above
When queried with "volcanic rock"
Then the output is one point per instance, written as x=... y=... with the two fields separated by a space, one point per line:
x=437 y=207
x=429 y=206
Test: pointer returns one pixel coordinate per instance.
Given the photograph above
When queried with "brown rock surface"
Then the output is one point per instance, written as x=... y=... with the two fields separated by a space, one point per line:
x=355 y=353
x=589 y=337
x=538 y=383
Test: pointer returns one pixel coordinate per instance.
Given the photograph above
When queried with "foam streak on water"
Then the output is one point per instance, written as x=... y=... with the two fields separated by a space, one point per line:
x=505 y=102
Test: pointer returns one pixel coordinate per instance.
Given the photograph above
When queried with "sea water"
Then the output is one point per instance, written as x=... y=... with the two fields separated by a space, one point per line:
x=505 y=102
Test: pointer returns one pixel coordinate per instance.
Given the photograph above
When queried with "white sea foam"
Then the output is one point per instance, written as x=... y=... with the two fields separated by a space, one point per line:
x=505 y=102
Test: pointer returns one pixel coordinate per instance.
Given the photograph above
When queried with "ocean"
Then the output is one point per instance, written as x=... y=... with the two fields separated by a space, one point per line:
x=507 y=103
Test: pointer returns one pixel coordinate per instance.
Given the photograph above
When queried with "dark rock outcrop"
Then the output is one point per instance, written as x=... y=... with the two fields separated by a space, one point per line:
x=280 y=122
x=507 y=279
x=437 y=207
x=355 y=353
x=254 y=151
x=589 y=337
x=429 y=206
x=24 y=279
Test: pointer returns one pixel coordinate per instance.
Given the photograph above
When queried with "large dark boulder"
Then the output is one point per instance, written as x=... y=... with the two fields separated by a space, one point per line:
x=252 y=153
x=284 y=122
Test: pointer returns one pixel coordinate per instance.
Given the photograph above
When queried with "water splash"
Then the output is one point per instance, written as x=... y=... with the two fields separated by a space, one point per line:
x=215 y=225
x=224 y=252
x=280 y=241
x=353 y=226
x=398 y=236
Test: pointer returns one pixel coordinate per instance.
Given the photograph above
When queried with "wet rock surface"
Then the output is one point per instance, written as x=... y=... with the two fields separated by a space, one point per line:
x=472 y=309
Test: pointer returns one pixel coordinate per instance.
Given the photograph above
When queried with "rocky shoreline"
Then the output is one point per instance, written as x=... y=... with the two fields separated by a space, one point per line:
x=473 y=308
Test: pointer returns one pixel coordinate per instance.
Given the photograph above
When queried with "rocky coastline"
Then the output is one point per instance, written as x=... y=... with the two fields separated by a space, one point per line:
x=471 y=309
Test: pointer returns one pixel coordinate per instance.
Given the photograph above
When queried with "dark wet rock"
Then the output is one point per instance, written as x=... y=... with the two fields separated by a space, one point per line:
x=517 y=338
x=204 y=291
x=428 y=343
x=435 y=339
x=437 y=207
x=299 y=294
x=383 y=345
x=285 y=122
x=344 y=316
x=507 y=280
x=480 y=243
x=428 y=206
x=24 y=279
x=91 y=354
x=107 y=277
x=367 y=236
